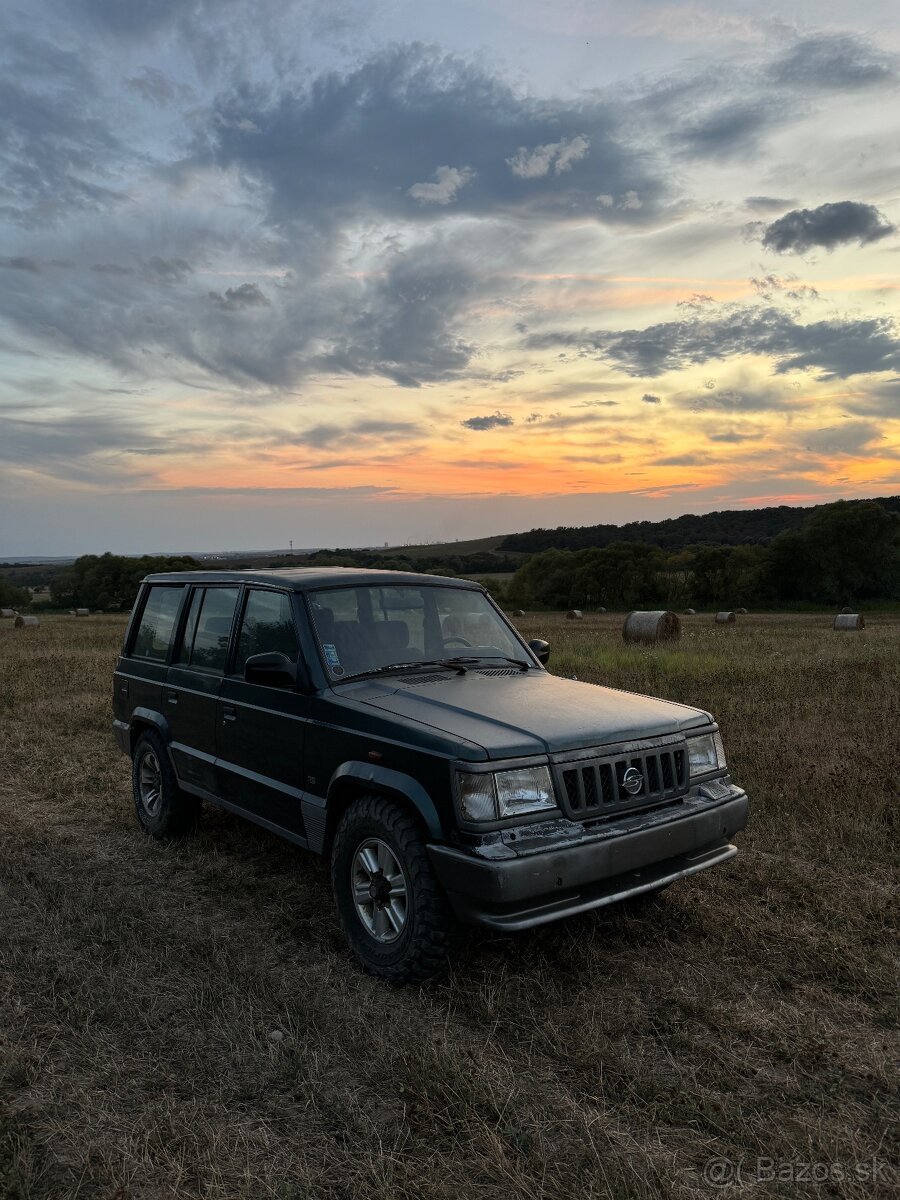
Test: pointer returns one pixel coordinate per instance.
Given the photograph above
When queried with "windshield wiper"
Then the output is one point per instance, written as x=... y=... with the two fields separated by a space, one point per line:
x=451 y=664
x=469 y=658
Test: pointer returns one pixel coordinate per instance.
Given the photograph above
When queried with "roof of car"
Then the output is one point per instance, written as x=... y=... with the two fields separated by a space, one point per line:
x=299 y=579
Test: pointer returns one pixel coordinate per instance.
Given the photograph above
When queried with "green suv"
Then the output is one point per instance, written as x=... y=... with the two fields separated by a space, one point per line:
x=399 y=724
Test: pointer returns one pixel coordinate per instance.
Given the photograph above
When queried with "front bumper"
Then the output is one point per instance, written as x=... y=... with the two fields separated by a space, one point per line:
x=608 y=862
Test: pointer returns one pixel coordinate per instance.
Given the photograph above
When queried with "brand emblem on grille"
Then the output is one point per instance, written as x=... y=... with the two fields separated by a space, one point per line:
x=632 y=781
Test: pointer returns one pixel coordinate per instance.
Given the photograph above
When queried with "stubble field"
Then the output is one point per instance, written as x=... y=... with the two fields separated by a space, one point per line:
x=748 y=1016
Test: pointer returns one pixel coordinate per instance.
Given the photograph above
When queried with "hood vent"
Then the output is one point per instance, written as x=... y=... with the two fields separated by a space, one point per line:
x=418 y=679
x=494 y=672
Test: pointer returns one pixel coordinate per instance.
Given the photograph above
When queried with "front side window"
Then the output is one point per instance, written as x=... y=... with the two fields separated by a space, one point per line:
x=157 y=623
x=366 y=628
x=209 y=626
x=267 y=627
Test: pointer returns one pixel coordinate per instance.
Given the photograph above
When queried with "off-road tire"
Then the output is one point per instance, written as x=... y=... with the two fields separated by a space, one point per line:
x=420 y=951
x=174 y=812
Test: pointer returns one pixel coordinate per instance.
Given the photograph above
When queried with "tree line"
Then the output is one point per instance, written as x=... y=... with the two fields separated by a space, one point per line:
x=731 y=527
x=845 y=553
x=109 y=581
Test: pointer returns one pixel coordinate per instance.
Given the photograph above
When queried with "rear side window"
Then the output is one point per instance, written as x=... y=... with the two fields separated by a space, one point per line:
x=208 y=628
x=268 y=626
x=157 y=623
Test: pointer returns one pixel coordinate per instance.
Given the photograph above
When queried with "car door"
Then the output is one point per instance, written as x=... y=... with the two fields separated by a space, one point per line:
x=260 y=729
x=141 y=672
x=194 y=678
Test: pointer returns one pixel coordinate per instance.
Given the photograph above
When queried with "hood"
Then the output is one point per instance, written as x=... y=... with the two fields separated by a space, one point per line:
x=527 y=713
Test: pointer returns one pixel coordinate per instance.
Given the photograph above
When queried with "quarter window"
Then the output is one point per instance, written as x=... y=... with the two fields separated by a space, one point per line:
x=267 y=627
x=157 y=623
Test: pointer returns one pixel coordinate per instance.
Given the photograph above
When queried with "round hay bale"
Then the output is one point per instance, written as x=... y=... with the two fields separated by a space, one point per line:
x=846 y=620
x=690 y=612
x=519 y=612
x=26 y=622
x=846 y=610
x=725 y=618
x=741 y=612
x=82 y=612
x=649 y=628
x=7 y=612
x=574 y=614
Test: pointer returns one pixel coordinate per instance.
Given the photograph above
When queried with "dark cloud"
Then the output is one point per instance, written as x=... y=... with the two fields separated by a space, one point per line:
x=729 y=436
x=880 y=400
x=327 y=436
x=767 y=203
x=771 y=286
x=827 y=226
x=832 y=63
x=415 y=134
x=247 y=295
x=835 y=348
x=649 y=398
x=57 y=151
x=156 y=87
x=494 y=420
x=21 y=262
x=679 y=460
x=853 y=437
x=403 y=324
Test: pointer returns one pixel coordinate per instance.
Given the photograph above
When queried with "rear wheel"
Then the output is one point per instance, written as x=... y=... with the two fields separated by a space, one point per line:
x=162 y=809
x=394 y=914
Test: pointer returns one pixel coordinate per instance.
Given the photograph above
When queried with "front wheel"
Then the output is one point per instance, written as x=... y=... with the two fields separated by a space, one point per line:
x=394 y=914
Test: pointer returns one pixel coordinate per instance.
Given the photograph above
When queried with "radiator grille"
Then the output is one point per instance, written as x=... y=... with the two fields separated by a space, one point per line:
x=593 y=787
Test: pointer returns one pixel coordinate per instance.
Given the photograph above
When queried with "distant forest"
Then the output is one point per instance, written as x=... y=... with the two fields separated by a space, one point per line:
x=731 y=527
x=842 y=553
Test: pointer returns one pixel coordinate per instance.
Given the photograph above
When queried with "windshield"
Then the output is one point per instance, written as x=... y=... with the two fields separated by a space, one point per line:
x=364 y=629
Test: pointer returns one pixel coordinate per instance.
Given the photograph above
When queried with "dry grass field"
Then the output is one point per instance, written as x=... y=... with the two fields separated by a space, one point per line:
x=749 y=1014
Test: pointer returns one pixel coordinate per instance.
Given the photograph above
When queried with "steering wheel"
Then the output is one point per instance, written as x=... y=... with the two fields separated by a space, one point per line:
x=460 y=641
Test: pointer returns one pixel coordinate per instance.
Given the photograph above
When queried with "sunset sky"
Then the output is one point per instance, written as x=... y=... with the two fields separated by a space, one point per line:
x=352 y=273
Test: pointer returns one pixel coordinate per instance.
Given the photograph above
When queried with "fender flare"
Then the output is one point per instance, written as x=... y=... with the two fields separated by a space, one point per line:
x=395 y=783
x=148 y=716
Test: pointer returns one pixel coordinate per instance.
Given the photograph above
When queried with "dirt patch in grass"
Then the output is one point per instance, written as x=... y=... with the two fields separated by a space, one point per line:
x=749 y=1014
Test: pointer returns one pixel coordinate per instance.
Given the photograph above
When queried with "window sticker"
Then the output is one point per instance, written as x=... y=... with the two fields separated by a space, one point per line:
x=331 y=656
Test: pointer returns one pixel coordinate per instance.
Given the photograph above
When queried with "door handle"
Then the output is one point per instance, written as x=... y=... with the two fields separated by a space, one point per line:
x=171 y=698
x=229 y=713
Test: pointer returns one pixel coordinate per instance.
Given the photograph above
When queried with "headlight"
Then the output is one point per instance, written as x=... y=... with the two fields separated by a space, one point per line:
x=488 y=796
x=706 y=754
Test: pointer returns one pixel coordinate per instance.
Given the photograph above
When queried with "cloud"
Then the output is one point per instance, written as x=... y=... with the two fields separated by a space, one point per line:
x=357 y=138
x=827 y=226
x=447 y=182
x=248 y=295
x=767 y=203
x=770 y=286
x=853 y=437
x=21 y=262
x=679 y=460
x=156 y=87
x=649 y=398
x=57 y=148
x=729 y=436
x=327 y=436
x=495 y=420
x=881 y=399
x=836 y=348
x=560 y=156
x=832 y=62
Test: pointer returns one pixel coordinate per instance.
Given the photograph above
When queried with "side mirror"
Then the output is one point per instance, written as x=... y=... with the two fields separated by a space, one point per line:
x=270 y=670
x=540 y=649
